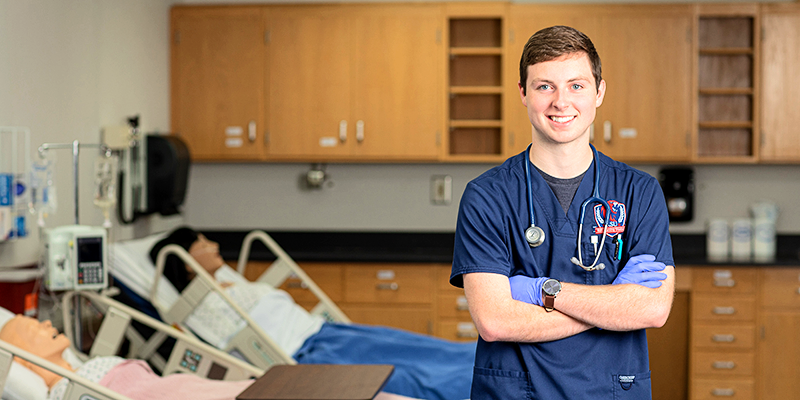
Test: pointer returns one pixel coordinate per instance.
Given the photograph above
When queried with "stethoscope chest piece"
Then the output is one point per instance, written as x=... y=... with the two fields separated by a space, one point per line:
x=534 y=235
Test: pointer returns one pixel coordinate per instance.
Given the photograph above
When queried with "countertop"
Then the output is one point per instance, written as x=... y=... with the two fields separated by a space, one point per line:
x=437 y=247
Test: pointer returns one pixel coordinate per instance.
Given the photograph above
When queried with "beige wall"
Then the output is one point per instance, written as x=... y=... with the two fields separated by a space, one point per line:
x=69 y=67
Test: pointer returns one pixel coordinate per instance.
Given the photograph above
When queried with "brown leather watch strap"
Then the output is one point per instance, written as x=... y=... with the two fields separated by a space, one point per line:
x=549 y=302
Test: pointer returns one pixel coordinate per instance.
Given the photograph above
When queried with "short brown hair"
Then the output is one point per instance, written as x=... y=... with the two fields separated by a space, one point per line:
x=554 y=42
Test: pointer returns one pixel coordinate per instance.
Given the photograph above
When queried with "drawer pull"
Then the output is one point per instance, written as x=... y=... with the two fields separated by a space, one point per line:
x=387 y=286
x=467 y=335
x=461 y=303
x=723 y=392
x=723 y=365
x=724 y=310
x=724 y=283
x=728 y=338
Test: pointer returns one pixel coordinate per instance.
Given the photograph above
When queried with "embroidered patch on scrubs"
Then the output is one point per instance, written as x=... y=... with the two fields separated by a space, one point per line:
x=626 y=381
x=616 y=221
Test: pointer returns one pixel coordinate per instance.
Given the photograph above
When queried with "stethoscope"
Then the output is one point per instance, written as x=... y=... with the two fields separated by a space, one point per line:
x=535 y=235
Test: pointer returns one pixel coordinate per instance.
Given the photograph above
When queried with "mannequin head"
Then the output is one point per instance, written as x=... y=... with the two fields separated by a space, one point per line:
x=204 y=251
x=38 y=338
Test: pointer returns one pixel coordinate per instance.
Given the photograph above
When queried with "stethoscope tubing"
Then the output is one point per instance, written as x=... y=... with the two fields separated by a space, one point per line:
x=594 y=199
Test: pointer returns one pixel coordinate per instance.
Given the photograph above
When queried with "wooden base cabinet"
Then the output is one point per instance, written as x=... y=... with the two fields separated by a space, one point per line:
x=723 y=333
x=778 y=347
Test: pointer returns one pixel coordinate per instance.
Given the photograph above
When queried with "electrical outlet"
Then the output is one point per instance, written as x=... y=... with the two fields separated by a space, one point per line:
x=441 y=189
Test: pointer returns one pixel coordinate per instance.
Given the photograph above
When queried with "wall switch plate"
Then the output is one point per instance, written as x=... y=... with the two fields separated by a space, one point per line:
x=441 y=189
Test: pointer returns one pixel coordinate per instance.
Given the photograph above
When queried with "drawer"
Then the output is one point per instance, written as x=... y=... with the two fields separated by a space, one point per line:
x=453 y=305
x=723 y=364
x=414 y=319
x=389 y=283
x=724 y=280
x=734 y=389
x=710 y=308
x=780 y=287
x=719 y=337
x=327 y=277
x=457 y=330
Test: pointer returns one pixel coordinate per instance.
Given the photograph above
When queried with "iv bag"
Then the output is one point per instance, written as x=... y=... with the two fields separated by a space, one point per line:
x=43 y=190
x=105 y=180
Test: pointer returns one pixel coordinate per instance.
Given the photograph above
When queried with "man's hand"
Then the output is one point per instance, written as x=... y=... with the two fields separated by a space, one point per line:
x=527 y=289
x=641 y=270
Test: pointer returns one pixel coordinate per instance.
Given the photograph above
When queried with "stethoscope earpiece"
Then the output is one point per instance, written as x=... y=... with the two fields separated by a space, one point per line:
x=534 y=235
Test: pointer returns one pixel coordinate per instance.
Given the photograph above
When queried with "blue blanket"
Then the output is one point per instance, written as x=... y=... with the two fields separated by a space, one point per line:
x=425 y=367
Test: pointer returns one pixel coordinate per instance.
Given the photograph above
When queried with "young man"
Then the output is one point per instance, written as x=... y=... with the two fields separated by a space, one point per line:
x=569 y=323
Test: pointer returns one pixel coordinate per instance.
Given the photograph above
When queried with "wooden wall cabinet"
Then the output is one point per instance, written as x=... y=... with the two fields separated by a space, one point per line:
x=219 y=60
x=476 y=53
x=645 y=51
x=727 y=83
x=356 y=82
x=780 y=83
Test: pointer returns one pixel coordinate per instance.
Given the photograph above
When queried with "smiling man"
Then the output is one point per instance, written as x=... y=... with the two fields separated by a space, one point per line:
x=564 y=253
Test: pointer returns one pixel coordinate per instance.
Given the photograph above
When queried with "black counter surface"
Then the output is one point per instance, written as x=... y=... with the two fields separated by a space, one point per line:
x=435 y=247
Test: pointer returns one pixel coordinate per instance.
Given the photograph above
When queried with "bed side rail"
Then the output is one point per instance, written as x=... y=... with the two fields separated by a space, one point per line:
x=258 y=343
x=189 y=355
x=285 y=267
x=78 y=387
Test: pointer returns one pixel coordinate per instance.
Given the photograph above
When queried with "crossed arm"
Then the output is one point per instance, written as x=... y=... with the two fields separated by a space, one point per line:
x=617 y=307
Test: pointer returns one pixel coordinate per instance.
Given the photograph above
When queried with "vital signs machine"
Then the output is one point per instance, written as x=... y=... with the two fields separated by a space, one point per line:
x=75 y=257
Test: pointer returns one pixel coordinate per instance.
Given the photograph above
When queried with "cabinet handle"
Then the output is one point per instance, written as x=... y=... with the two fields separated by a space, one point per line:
x=728 y=338
x=464 y=335
x=724 y=310
x=251 y=131
x=798 y=290
x=723 y=365
x=607 y=131
x=724 y=282
x=387 y=286
x=342 y=131
x=723 y=392
x=359 y=131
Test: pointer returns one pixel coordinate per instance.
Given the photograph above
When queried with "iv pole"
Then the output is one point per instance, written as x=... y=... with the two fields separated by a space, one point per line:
x=76 y=150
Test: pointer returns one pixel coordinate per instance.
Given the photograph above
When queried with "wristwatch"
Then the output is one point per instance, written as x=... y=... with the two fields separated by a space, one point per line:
x=550 y=288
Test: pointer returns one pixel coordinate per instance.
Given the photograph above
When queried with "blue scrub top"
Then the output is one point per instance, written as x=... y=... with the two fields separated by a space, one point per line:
x=492 y=218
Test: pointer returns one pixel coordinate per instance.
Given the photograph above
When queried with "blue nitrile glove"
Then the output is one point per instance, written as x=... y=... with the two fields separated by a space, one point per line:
x=527 y=289
x=641 y=270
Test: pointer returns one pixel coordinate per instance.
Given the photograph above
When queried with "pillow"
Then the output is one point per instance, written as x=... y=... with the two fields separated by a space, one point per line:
x=21 y=383
x=129 y=262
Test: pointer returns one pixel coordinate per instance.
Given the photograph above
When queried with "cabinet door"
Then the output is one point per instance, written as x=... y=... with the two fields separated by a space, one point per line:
x=398 y=81
x=646 y=113
x=218 y=81
x=779 y=350
x=310 y=82
x=780 y=83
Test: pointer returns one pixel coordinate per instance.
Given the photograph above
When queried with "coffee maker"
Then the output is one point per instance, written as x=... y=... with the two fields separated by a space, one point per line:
x=678 y=187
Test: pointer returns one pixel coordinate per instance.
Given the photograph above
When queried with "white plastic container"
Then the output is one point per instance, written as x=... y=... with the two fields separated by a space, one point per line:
x=765 y=215
x=718 y=240
x=742 y=240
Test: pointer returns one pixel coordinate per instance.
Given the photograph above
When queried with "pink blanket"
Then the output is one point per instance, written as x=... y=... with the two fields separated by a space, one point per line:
x=135 y=379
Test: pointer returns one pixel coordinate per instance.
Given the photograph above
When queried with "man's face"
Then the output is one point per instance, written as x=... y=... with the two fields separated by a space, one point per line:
x=562 y=98
x=206 y=252
x=39 y=338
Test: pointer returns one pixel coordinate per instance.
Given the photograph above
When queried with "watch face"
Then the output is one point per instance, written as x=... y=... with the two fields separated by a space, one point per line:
x=551 y=287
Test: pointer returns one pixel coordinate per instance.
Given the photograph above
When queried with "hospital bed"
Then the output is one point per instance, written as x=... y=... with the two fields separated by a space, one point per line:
x=133 y=268
x=189 y=355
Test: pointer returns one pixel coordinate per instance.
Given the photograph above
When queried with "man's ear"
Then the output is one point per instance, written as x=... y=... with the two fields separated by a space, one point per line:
x=601 y=93
x=522 y=93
